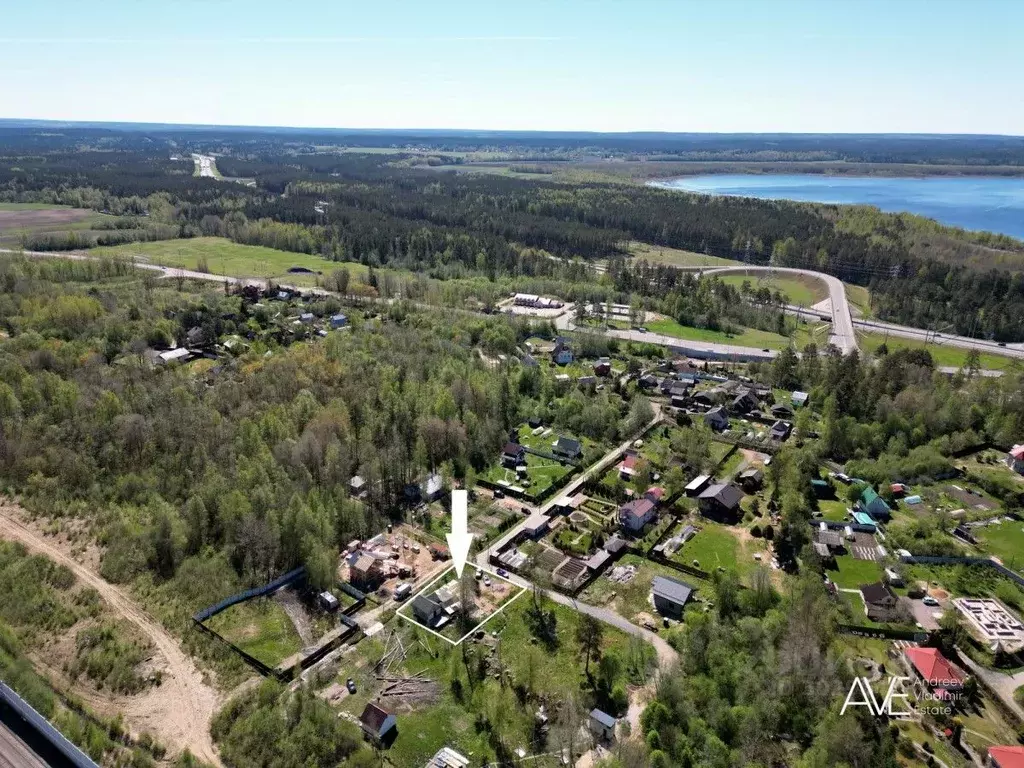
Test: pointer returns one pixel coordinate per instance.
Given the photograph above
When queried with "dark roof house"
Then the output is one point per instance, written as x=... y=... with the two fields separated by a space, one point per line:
x=568 y=447
x=377 y=722
x=721 y=500
x=670 y=595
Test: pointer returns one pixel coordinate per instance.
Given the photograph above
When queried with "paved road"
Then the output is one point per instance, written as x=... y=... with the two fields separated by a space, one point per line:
x=842 y=321
x=1004 y=685
x=205 y=165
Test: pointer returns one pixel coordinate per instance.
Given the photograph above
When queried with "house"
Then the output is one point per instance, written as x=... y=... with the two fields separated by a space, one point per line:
x=306 y=318
x=880 y=601
x=751 y=479
x=615 y=545
x=603 y=366
x=431 y=488
x=598 y=560
x=567 y=448
x=365 y=571
x=799 y=399
x=570 y=573
x=357 y=486
x=703 y=398
x=377 y=723
x=677 y=401
x=698 y=484
x=529 y=361
x=831 y=540
x=717 y=419
x=780 y=431
x=892 y=577
x=634 y=515
x=178 y=355
x=327 y=601
x=602 y=725
x=670 y=596
x=587 y=381
x=534 y=421
x=933 y=671
x=1015 y=459
x=512 y=455
x=720 y=500
x=823 y=552
x=562 y=353
x=338 y=321
x=446 y=757
x=648 y=381
x=655 y=494
x=536 y=525
x=782 y=411
x=874 y=505
x=428 y=610
x=1011 y=756
x=822 y=489
x=627 y=467
x=744 y=402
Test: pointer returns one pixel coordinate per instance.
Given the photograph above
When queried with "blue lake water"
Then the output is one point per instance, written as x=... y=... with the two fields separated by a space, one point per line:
x=972 y=202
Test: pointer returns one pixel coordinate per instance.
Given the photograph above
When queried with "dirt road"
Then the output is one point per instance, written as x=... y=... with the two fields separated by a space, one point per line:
x=178 y=711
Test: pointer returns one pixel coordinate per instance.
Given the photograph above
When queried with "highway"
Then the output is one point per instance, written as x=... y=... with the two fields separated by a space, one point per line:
x=845 y=338
x=842 y=335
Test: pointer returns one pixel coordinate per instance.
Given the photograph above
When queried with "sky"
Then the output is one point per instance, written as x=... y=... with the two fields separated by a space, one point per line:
x=922 y=66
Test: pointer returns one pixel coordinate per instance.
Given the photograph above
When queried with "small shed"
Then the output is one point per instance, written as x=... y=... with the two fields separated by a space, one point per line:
x=602 y=725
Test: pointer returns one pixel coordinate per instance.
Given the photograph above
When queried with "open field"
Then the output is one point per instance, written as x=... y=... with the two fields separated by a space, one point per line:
x=942 y=355
x=802 y=290
x=748 y=337
x=634 y=596
x=1005 y=541
x=853 y=573
x=22 y=219
x=673 y=257
x=859 y=298
x=713 y=546
x=259 y=627
x=220 y=256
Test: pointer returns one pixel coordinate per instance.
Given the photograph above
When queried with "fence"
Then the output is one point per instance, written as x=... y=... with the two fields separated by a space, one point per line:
x=943 y=560
x=281 y=581
x=889 y=633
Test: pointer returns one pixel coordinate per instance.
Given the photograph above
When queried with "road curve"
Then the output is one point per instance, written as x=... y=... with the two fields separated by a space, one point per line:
x=842 y=335
x=183 y=704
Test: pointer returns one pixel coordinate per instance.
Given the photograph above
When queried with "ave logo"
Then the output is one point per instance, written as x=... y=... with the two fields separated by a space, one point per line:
x=867 y=698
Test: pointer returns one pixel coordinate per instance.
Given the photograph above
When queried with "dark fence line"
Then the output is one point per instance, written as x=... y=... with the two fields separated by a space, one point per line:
x=886 y=632
x=677 y=566
x=551 y=456
x=252 y=661
x=249 y=594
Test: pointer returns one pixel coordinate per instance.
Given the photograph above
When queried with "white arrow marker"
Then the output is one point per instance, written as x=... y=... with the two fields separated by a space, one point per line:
x=460 y=537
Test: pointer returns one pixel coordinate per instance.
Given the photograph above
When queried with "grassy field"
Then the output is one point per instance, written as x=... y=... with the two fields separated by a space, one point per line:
x=223 y=257
x=259 y=627
x=801 y=290
x=859 y=298
x=749 y=337
x=834 y=510
x=853 y=573
x=712 y=547
x=942 y=355
x=1005 y=541
x=673 y=257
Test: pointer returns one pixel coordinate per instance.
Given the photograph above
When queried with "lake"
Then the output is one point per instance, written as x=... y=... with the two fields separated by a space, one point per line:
x=972 y=202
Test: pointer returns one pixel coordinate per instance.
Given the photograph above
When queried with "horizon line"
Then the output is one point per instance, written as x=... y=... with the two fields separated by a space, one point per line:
x=497 y=131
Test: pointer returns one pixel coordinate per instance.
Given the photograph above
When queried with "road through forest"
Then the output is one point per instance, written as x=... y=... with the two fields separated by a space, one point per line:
x=179 y=710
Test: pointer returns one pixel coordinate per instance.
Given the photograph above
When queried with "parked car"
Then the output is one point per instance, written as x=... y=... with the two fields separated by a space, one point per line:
x=503 y=573
x=351 y=685
x=929 y=600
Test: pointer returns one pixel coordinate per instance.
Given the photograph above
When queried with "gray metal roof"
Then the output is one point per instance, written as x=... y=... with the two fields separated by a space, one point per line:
x=671 y=589
x=603 y=718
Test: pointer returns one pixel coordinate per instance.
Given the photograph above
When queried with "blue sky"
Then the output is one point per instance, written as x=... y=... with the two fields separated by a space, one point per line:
x=662 y=65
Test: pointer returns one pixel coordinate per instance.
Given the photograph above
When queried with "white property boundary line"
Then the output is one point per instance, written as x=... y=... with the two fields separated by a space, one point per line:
x=477 y=566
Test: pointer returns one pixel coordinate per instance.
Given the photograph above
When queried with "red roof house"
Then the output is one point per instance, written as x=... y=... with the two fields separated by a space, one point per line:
x=935 y=669
x=655 y=493
x=627 y=467
x=1006 y=757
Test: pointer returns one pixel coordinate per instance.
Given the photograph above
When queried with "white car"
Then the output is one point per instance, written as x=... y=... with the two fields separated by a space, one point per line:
x=929 y=600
